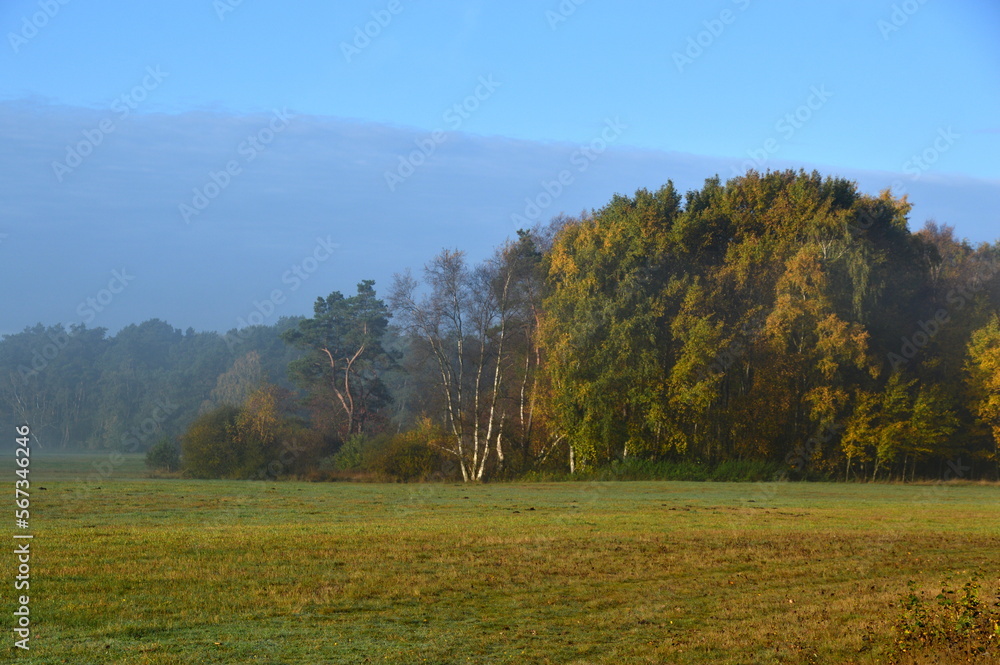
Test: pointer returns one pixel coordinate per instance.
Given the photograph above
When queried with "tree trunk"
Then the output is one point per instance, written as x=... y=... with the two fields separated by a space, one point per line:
x=499 y=447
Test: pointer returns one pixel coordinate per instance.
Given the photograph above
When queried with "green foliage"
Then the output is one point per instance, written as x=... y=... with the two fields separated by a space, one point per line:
x=603 y=326
x=237 y=384
x=351 y=456
x=164 y=455
x=297 y=452
x=746 y=471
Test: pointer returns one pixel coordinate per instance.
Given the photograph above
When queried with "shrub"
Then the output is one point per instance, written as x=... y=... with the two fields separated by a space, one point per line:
x=206 y=446
x=410 y=456
x=406 y=461
x=260 y=439
x=350 y=457
x=164 y=455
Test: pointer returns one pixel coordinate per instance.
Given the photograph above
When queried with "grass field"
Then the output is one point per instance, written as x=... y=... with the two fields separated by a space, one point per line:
x=127 y=569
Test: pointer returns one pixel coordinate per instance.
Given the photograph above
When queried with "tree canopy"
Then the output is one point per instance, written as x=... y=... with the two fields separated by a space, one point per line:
x=784 y=318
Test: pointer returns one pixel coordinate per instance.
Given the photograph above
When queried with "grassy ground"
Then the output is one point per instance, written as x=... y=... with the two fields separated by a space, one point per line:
x=134 y=570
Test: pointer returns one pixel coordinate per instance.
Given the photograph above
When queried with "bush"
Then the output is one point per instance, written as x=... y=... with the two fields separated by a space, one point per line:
x=164 y=456
x=259 y=440
x=350 y=457
x=206 y=446
x=410 y=456
x=406 y=460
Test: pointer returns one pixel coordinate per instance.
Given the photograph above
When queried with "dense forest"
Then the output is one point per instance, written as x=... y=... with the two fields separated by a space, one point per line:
x=781 y=319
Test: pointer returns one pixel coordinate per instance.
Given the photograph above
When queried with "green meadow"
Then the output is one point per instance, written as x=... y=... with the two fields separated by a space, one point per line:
x=131 y=569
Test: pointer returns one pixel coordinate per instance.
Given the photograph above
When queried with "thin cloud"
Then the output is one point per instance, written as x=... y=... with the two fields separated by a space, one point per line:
x=317 y=177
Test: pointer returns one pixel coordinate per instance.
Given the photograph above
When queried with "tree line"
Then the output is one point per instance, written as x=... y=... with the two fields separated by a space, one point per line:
x=81 y=388
x=783 y=320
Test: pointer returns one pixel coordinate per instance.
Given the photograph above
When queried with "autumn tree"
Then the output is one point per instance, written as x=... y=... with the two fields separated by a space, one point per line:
x=983 y=377
x=736 y=326
x=604 y=328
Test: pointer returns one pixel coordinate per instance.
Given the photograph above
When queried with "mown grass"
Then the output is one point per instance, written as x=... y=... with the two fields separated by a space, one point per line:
x=176 y=571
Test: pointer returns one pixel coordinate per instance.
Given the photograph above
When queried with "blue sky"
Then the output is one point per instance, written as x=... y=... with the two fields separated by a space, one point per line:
x=437 y=128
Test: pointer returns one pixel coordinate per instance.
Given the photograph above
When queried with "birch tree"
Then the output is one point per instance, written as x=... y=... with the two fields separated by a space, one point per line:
x=464 y=319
